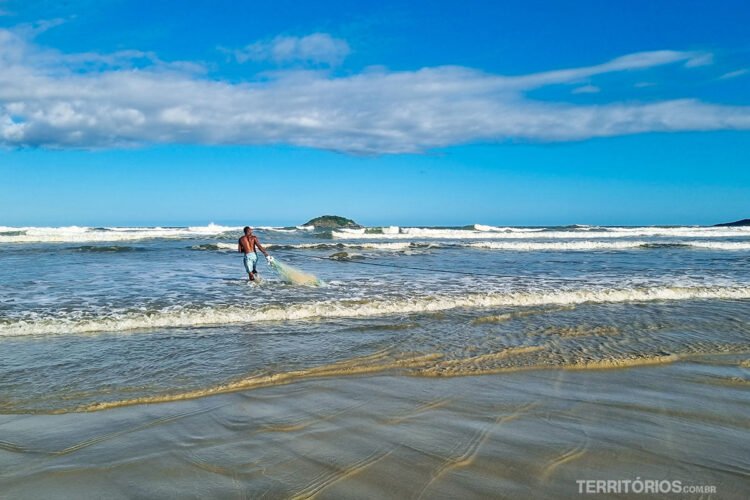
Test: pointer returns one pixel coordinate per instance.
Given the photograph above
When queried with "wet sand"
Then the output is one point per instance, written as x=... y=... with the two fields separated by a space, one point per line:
x=507 y=435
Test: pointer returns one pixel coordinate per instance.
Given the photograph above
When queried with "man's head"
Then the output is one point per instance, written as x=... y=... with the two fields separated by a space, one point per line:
x=248 y=230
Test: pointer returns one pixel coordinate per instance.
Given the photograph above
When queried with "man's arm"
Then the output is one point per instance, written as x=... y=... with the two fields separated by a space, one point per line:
x=257 y=243
x=239 y=245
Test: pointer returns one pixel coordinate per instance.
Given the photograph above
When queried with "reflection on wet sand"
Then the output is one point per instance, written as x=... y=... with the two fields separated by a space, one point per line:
x=509 y=435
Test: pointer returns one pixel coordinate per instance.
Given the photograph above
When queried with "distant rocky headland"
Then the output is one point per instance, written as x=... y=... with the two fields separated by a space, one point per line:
x=743 y=222
x=332 y=221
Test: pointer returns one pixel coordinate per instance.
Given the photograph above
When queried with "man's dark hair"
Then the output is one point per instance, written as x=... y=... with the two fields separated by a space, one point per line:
x=246 y=229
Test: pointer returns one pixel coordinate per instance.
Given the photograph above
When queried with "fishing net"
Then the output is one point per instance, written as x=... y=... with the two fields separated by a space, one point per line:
x=291 y=274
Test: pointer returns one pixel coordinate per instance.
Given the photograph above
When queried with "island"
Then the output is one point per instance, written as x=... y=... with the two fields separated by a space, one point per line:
x=743 y=222
x=332 y=221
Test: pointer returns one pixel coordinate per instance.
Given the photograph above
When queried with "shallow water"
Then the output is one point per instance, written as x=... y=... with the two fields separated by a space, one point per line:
x=511 y=435
x=106 y=317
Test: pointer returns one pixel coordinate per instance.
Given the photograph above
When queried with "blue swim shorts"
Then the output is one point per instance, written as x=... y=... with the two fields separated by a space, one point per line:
x=250 y=260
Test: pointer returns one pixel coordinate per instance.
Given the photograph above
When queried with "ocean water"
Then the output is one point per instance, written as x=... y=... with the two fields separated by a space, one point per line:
x=95 y=318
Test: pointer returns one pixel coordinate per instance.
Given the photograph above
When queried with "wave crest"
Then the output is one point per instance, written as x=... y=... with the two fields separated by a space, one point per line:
x=213 y=316
x=75 y=234
x=215 y=247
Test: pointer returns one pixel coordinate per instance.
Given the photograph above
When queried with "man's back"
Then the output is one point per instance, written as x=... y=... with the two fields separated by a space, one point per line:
x=247 y=244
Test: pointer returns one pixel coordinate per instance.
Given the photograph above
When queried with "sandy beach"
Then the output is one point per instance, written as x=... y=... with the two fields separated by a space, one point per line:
x=529 y=433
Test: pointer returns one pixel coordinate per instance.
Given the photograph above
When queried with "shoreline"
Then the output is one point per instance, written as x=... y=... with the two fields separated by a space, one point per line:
x=352 y=369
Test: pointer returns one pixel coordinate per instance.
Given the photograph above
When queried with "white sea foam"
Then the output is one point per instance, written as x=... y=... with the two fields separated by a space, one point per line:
x=75 y=234
x=520 y=246
x=480 y=232
x=365 y=245
x=209 y=229
x=482 y=227
x=659 y=229
x=721 y=245
x=277 y=229
x=517 y=246
x=214 y=316
x=545 y=234
x=218 y=246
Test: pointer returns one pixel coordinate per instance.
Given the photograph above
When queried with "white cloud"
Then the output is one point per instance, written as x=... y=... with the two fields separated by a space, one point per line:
x=30 y=30
x=586 y=89
x=54 y=100
x=734 y=74
x=630 y=62
x=317 y=48
x=700 y=59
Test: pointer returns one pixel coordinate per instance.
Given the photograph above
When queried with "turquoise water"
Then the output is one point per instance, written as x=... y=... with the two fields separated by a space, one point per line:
x=91 y=317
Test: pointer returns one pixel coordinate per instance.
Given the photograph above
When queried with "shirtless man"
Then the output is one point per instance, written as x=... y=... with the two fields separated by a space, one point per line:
x=247 y=245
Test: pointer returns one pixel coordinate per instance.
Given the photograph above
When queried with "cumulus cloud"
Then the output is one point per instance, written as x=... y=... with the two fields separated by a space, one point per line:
x=48 y=100
x=317 y=48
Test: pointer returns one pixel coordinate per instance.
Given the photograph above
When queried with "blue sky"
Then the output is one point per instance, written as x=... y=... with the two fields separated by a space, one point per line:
x=525 y=113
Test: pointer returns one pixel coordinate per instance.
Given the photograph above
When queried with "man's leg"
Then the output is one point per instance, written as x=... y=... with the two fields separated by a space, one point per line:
x=248 y=268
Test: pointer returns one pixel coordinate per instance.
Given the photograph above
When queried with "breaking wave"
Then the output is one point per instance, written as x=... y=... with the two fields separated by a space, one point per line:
x=216 y=247
x=491 y=232
x=606 y=245
x=405 y=246
x=214 y=316
x=559 y=246
x=74 y=234
x=721 y=245
x=482 y=227
x=394 y=245
x=516 y=246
